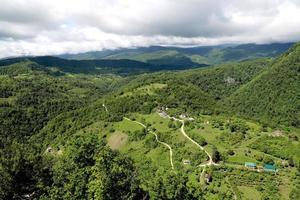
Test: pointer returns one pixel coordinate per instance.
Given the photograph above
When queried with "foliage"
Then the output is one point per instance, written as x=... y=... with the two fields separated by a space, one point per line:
x=56 y=115
x=276 y=97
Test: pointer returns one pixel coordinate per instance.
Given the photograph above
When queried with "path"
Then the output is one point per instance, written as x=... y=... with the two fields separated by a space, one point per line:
x=210 y=162
x=156 y=138
x=202 y=175
x=105 y=107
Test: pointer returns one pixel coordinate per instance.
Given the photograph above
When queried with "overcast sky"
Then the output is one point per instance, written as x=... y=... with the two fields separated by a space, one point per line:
x=40 y=27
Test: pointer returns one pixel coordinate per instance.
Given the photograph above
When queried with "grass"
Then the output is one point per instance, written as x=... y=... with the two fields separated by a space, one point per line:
x=117 y=140
x=127 y=126
x=147 y=89
x=242 y=149
x=154 y=55
x=285 y=187
x=183 y=149
x=239 y=158
x=210 y=135
x=138 y=150
x=157 y=156
x=9 y=100
x=199 y=59
x=242 y=182
x=81 y=92
x=249 y=193
x=161 y=124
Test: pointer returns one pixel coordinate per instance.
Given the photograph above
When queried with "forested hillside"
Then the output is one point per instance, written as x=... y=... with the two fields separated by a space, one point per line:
x=72 y=131
x=31 y=96
x=274 y=95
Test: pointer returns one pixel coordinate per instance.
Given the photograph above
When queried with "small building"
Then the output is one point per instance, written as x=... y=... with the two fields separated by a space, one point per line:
x=270 y=168
x=186 y=162
x=250 y=165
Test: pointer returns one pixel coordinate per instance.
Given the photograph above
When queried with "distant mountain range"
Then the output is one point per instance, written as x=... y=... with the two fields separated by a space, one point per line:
x=153 y=58
x=192 y=56
x=101 y=66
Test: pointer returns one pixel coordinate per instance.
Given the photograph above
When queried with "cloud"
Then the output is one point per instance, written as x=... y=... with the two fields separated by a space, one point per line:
x=30 y=27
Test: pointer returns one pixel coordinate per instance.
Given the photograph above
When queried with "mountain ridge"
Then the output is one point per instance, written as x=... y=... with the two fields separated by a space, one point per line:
x=200 y=54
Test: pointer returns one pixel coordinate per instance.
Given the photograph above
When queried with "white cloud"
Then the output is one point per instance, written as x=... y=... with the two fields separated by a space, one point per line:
x=69 y=26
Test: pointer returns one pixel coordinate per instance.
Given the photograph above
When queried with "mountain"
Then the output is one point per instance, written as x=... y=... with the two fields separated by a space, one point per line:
x=188 y=56
x=75 y=129
x=122 y=66
x=274 y=95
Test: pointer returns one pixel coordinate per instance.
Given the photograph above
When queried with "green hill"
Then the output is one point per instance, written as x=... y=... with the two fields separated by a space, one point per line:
x=274 y=95
x=72 y=129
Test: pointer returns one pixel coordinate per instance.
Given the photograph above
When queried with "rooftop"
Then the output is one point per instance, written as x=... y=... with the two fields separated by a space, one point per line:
x=269 y=167
x=250 y=164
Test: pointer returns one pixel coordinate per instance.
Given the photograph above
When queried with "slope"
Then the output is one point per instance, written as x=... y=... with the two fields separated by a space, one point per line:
x=274 y=95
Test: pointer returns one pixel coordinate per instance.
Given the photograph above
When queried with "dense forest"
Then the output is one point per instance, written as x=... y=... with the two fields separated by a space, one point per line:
x=82 y=130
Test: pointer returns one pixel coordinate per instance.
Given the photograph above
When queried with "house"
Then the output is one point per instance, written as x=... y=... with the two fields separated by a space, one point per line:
x=270 y=168
x=250 y=165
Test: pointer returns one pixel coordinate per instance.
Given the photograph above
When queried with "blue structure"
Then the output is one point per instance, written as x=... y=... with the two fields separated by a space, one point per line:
x=270 y=168
x=251 y=165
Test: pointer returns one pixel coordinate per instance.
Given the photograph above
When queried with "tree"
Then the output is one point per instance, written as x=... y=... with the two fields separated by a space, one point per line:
x=168 y=185
x=113 y=177
x=216 y=156
x=291 y=162
x=237 y=126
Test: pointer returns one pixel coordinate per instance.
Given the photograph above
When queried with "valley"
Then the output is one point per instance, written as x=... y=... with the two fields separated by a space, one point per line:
x=150 y=100
x=229 y=131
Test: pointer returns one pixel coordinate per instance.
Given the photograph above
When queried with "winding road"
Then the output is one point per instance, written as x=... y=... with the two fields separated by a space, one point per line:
x=156 y=138
x=210 y=162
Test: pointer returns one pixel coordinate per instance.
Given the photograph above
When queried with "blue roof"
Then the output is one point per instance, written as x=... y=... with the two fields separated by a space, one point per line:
x=269 y=167
x=250 y=164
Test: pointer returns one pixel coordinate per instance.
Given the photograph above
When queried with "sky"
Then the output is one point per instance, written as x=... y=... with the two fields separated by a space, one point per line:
x=49 y=27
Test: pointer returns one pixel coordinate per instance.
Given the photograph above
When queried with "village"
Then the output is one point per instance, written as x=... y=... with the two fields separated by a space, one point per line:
x=267 y=167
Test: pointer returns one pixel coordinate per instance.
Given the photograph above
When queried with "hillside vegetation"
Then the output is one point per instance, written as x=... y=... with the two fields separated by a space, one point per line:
x=72 y=131
x=274 y=95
